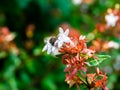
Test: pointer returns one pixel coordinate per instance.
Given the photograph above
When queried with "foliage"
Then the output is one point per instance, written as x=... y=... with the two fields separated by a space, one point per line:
x=25 y=23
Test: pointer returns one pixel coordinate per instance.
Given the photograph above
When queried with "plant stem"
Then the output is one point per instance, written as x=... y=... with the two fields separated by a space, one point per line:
x=85 y=82
x=78 y=88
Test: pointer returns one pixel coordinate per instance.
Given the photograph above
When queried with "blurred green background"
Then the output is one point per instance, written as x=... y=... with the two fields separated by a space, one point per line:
x=32 y=21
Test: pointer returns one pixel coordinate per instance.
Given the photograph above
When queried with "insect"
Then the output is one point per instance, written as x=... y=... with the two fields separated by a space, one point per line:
x=52 y=40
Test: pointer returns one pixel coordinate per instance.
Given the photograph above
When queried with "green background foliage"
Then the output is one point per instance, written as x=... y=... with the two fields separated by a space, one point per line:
x=32 y=69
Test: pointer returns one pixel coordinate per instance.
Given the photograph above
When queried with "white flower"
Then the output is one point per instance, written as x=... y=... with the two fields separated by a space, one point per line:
x=76 y=2
x=10 y=37
x=113 y=44
x=51 y=49
x=111 y=19
x=82 y=37
x=63 y=38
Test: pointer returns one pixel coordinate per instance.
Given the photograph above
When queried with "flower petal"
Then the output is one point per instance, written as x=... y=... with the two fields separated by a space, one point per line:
x=66 y=39
x=60 y=30
x=56 y=52
x=60 y=43
x=66 y=32
x=53 y=49
x=45 y=48
x=49 y=50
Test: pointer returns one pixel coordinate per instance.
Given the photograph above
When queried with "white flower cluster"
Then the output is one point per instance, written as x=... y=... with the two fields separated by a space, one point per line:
x=62 y=37
x=113 y=44
x=111 y=19
x=53 y=44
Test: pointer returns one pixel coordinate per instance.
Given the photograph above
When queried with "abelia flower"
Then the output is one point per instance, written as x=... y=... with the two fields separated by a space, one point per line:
x=76 y=2
x=79 y=45
x=101 y=27
x=50 y=47
x=91 y=78
x=10 y=37
x=74 y=53
x=88 y=52
x=73 y=33
x=73 y=80
x=6 y=39
x=82 y=37
x=97 y=80
x=101 y=83
x=111 y=19
x=72 y=50
x=63 y=38
x=113 y=44
x=6 y=35
x=102 y=45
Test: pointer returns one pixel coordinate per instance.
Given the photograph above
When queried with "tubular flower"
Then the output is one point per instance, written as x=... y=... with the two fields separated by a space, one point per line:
x=6 y=39
x=63 y=38
x=97 y=80
x=6 y=35
x=75 y=55
x=111 y=19
x=102 y=45
x=50 y=47
x=53 y=44
x=78 y=46
x=73 y=80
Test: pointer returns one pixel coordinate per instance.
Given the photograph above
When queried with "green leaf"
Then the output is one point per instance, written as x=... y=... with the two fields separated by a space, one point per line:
x=96 y=61
x=48 y=83
x=12 y=83
x=3 y=54
x=81 y=77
